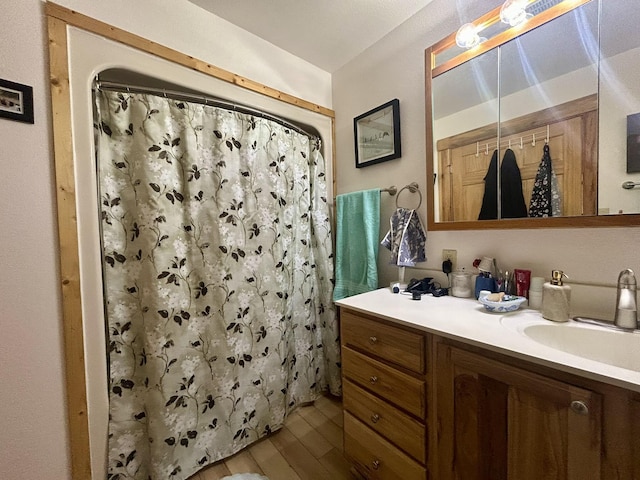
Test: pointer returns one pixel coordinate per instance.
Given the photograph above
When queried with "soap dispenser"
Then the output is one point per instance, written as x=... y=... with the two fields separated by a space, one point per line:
x=556 y=298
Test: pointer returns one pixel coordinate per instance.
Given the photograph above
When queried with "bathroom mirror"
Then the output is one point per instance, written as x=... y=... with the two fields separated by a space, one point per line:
x=564 y=79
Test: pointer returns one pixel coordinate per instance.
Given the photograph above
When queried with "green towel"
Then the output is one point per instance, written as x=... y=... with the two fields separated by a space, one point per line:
x=357 y=240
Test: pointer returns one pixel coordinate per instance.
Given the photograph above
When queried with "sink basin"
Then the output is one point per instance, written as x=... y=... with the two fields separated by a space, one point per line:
x=620 y=349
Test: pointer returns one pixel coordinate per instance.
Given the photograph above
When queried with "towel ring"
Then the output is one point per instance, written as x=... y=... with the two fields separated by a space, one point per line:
x=413 y=188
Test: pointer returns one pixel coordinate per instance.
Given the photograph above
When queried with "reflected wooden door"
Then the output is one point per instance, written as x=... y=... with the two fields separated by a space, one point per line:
x=464 y=168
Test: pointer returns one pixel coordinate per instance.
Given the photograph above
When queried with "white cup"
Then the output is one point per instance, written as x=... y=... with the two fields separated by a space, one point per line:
x=536 y=284
x=535 y=299
x=483 y=293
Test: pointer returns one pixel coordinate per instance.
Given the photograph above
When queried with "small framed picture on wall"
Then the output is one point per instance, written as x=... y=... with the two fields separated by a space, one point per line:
x=16 y=101
x=377 y=134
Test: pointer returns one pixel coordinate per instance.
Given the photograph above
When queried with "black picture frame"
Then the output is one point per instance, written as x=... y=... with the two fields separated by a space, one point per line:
x=16 y=101
x=633 y=143
x=377 y=134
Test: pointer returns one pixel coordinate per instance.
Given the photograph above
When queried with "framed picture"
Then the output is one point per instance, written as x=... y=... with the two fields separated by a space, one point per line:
x=16 y=101
x=633 y=143
x=377 y=134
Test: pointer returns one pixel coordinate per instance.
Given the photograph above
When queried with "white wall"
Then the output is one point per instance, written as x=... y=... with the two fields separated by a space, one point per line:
x=33 y=430
x=394 y=68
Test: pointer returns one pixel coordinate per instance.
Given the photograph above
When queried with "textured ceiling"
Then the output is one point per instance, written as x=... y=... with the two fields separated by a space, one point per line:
x=326 y=33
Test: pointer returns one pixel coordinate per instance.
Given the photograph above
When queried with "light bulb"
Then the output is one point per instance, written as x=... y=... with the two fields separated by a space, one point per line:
x=467 y=36
x=513 y=12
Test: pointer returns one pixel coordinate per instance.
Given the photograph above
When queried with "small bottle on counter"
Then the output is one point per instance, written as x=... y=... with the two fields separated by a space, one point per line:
x=535 y=292
x=556 y=298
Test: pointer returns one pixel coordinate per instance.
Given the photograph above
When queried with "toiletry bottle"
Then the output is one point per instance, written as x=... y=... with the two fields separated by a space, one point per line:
x=523 y=280
x=535 y=292
x=556 y=298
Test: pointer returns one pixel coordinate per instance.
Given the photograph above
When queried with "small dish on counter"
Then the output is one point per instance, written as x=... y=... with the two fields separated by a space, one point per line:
x=500 y=303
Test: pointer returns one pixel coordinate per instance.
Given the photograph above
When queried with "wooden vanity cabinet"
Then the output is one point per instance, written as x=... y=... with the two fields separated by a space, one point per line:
x=384 y=369
x=420 y=406
x=503 y=419
x=501 y=422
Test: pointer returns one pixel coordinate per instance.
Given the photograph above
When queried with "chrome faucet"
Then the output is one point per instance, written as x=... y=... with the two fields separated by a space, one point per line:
x=626 y=315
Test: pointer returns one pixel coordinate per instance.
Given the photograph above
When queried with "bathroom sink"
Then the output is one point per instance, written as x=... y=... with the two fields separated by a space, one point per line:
x=620 y=349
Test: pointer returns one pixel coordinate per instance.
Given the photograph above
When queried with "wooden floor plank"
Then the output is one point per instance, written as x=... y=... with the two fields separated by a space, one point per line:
x=337 y=465
x=299 y=457
x=323 y=425
x=243 y=462
x=331 y=407
x=214 y=472
x=308 y=447
x=271 y=461
x=306 y=434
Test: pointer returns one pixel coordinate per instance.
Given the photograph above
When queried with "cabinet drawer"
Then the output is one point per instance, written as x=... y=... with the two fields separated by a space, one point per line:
x=376 y=458
x=403 y=431
x=395 y=345
x=398 y=388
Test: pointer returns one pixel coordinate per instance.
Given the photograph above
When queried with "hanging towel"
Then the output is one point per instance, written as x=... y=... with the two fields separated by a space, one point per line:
x=357 y=233
x=406 y=238
x=546 y=200
x=512 y=204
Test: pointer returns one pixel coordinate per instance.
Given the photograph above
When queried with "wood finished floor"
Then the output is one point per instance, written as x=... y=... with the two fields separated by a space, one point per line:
x=308 y=447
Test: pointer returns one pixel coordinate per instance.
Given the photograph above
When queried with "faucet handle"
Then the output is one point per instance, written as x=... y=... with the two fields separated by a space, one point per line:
x=627 y=279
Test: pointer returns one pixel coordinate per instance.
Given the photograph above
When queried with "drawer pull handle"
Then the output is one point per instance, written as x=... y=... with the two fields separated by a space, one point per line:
x=375 y=417
x=580 y=407
x=373 y=339
x=375 y=464
x=373 y=379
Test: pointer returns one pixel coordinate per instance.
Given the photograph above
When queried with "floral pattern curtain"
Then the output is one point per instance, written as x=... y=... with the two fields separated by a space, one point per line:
x=217 y=260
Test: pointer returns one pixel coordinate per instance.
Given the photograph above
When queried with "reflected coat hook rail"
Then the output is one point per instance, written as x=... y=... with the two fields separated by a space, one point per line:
x=629 y=185
x=529 y=138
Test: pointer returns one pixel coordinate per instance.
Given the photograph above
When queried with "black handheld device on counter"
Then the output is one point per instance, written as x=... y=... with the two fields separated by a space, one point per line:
x=422 y=286
x=418 y=287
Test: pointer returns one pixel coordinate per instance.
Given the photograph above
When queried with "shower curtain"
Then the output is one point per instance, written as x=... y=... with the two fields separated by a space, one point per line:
x=217 y=266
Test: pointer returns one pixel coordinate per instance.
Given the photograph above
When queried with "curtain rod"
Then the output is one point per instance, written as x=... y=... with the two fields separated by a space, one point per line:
x=198 y=98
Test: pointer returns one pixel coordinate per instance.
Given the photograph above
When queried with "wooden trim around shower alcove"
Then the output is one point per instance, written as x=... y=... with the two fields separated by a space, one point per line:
x=59 y=19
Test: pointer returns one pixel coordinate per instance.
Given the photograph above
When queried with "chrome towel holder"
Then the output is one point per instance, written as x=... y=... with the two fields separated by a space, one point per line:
x=413 y=188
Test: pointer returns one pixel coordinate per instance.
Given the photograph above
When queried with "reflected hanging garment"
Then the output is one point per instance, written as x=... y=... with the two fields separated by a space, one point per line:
x=512 y=203
x=406 y=238
x=556 y=197
x=489 y=209
x=546 y=200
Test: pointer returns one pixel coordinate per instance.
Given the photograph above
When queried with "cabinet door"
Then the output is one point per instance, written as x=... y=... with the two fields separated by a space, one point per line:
x=500 y=422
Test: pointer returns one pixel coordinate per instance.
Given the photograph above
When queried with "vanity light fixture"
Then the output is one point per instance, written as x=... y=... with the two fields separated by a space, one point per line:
x=467 y=36
x=513 y=12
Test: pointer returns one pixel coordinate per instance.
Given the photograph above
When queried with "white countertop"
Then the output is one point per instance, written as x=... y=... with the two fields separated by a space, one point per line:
x=467 y=321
